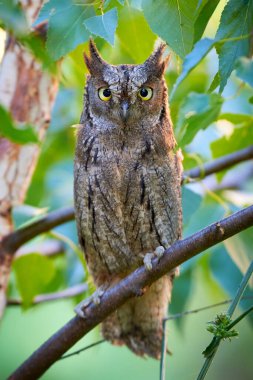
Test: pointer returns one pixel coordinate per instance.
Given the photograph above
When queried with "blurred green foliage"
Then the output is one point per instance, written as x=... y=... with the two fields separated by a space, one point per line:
x=208 y=124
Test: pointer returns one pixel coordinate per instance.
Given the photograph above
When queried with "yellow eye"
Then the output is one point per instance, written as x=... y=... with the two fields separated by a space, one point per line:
x=105 y=94
x=145 y=93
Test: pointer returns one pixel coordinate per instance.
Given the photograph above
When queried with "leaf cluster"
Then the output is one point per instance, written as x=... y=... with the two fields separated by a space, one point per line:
x=220 y=327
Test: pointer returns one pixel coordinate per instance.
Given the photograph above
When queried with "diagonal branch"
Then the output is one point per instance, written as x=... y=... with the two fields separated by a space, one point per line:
x=132 y=285
x=219 y=164
x=15 y=240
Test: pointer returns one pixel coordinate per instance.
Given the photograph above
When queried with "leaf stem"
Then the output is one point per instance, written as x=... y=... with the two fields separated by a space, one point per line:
x=237 y=320
x=240 y=290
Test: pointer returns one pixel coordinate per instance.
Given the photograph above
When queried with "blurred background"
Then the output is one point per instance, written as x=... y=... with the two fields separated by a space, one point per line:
x=207 y=279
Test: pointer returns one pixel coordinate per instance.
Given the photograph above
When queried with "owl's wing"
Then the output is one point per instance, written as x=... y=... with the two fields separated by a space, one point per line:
x=154 y=205
x=98 y=209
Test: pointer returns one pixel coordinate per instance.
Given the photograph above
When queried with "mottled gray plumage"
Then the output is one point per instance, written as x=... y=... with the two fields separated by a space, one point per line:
x=127 y=189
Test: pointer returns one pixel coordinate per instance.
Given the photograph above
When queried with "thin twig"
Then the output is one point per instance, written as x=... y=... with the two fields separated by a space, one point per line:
x=66 y=293
x=216 y=340
x=174 y=316
x=180 y=315
x=131 y=285
x=82 y=349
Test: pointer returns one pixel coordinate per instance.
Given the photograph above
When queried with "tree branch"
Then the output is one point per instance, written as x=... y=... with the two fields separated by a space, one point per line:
x=219 y=164
x=66 y=293
x=15 y=240
x=132 y=285
x=49 y=248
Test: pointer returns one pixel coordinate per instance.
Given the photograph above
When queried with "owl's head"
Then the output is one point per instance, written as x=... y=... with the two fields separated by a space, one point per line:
x=126 y=95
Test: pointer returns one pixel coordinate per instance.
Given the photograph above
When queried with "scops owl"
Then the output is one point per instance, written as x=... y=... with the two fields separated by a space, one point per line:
x=127 y=189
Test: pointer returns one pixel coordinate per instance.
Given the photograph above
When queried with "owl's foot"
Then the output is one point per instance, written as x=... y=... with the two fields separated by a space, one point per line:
x=159 y=251
x=94 y=298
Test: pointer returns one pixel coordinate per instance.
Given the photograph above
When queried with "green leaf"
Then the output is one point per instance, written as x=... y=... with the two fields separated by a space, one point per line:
x=37 y=47
x=200 y=50
x=108 y=2
x=66 y=27
x=236 y=22
x=244 y=70
x=49 y=8
x=133 y=27
x=236 y=118
x=239 y=139
x=13 y=18
x=215 y=82
x=229 y=278
x=208 y=212
x=251 y=100
x=33 y=273
x=203 y=18
x=239 y=247
x=197 y=112
x=103 y=26
x=136 y=4
x=9 y=130
x=173 y=21
x=191 y=202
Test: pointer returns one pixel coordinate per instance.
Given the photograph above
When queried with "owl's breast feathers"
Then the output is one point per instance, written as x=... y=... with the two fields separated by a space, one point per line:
x=127 y=199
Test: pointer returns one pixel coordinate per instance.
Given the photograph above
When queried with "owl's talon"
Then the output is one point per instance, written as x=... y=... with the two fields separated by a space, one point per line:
x=147 y=261
x=79 y=309
x=159 y=251
x=95 y=298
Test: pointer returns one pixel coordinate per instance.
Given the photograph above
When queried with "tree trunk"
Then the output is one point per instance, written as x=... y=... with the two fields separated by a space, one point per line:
x=28 y=93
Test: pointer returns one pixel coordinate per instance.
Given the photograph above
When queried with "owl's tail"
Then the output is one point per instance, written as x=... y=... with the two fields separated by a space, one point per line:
x=138 y=323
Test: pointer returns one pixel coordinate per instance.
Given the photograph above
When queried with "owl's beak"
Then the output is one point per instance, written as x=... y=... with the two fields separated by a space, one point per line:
x=124 y=108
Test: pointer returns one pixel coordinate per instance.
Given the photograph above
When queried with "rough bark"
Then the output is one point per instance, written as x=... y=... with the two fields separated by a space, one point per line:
x=28 y=93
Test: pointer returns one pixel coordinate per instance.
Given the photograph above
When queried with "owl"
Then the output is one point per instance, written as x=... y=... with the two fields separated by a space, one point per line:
x=127 y=177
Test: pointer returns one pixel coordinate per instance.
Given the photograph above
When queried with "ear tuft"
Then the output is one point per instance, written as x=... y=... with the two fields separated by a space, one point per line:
x=87 y=61
x=156 y=64
x=95 y=64
x=156 y=56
